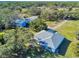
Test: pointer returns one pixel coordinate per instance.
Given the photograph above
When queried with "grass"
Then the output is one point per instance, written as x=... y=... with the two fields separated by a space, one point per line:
x=70 y=53
x=68 y=30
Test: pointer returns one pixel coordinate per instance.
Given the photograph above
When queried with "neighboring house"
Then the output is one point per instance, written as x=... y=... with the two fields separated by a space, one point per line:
x=31 y=18
x=21 y=23
x=50 y=40
x=24 y=22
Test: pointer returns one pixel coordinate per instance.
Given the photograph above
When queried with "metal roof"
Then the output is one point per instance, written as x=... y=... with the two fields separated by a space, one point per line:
x=34 y=17
x=43 y=34
x=31 y=18
x=53 y=39
x=57 y=39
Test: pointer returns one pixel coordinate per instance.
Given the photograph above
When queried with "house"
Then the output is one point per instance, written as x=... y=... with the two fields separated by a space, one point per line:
x=50 y=40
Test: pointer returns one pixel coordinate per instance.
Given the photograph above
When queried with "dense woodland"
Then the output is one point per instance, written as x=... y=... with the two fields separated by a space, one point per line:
x=19 y=42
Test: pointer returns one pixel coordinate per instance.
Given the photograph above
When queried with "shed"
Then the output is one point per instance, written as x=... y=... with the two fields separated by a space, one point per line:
x=50 y=40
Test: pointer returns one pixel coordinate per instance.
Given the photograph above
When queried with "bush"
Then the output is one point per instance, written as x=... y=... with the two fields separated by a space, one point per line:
x=38 y=25
x=1 y=35
x=1 y=38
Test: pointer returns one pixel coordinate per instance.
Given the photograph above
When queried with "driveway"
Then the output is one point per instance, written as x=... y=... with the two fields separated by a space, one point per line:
x=58 y=25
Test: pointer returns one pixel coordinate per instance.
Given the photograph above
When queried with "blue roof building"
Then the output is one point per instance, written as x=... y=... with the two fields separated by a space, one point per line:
x=27 y=20
x=24 y=22
x=20 y=23
x=50 y=40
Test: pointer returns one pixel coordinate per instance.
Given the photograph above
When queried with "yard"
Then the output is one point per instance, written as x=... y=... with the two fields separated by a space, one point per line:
x=69 y=30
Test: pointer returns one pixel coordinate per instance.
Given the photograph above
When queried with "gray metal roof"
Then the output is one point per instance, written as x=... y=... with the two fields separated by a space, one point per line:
x=57 y=39
x=33 y=17
x=43 y=34
x=53 y=39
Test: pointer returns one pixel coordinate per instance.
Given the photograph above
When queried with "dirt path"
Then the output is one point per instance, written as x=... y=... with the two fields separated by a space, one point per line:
x=58 y=25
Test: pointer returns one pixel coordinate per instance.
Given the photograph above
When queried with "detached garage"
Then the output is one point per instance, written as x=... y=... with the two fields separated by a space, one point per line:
x=50 y=40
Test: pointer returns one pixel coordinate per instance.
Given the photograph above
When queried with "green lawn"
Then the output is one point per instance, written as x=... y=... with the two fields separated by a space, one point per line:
x=68 y=30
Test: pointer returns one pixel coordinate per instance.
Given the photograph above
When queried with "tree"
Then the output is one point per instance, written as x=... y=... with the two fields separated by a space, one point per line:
x=77 y=49
x=19 y=43
x=77 y=35
x=38 y=25
x=16 y=41
x=35 y=11
x=51 y=14
x=7 y=17
x=38 y=51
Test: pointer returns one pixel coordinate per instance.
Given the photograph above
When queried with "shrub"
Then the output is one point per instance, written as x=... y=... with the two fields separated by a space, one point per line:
x=38 y=25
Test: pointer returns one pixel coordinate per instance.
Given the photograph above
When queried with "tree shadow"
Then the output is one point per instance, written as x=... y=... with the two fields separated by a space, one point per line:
x=63 y=47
